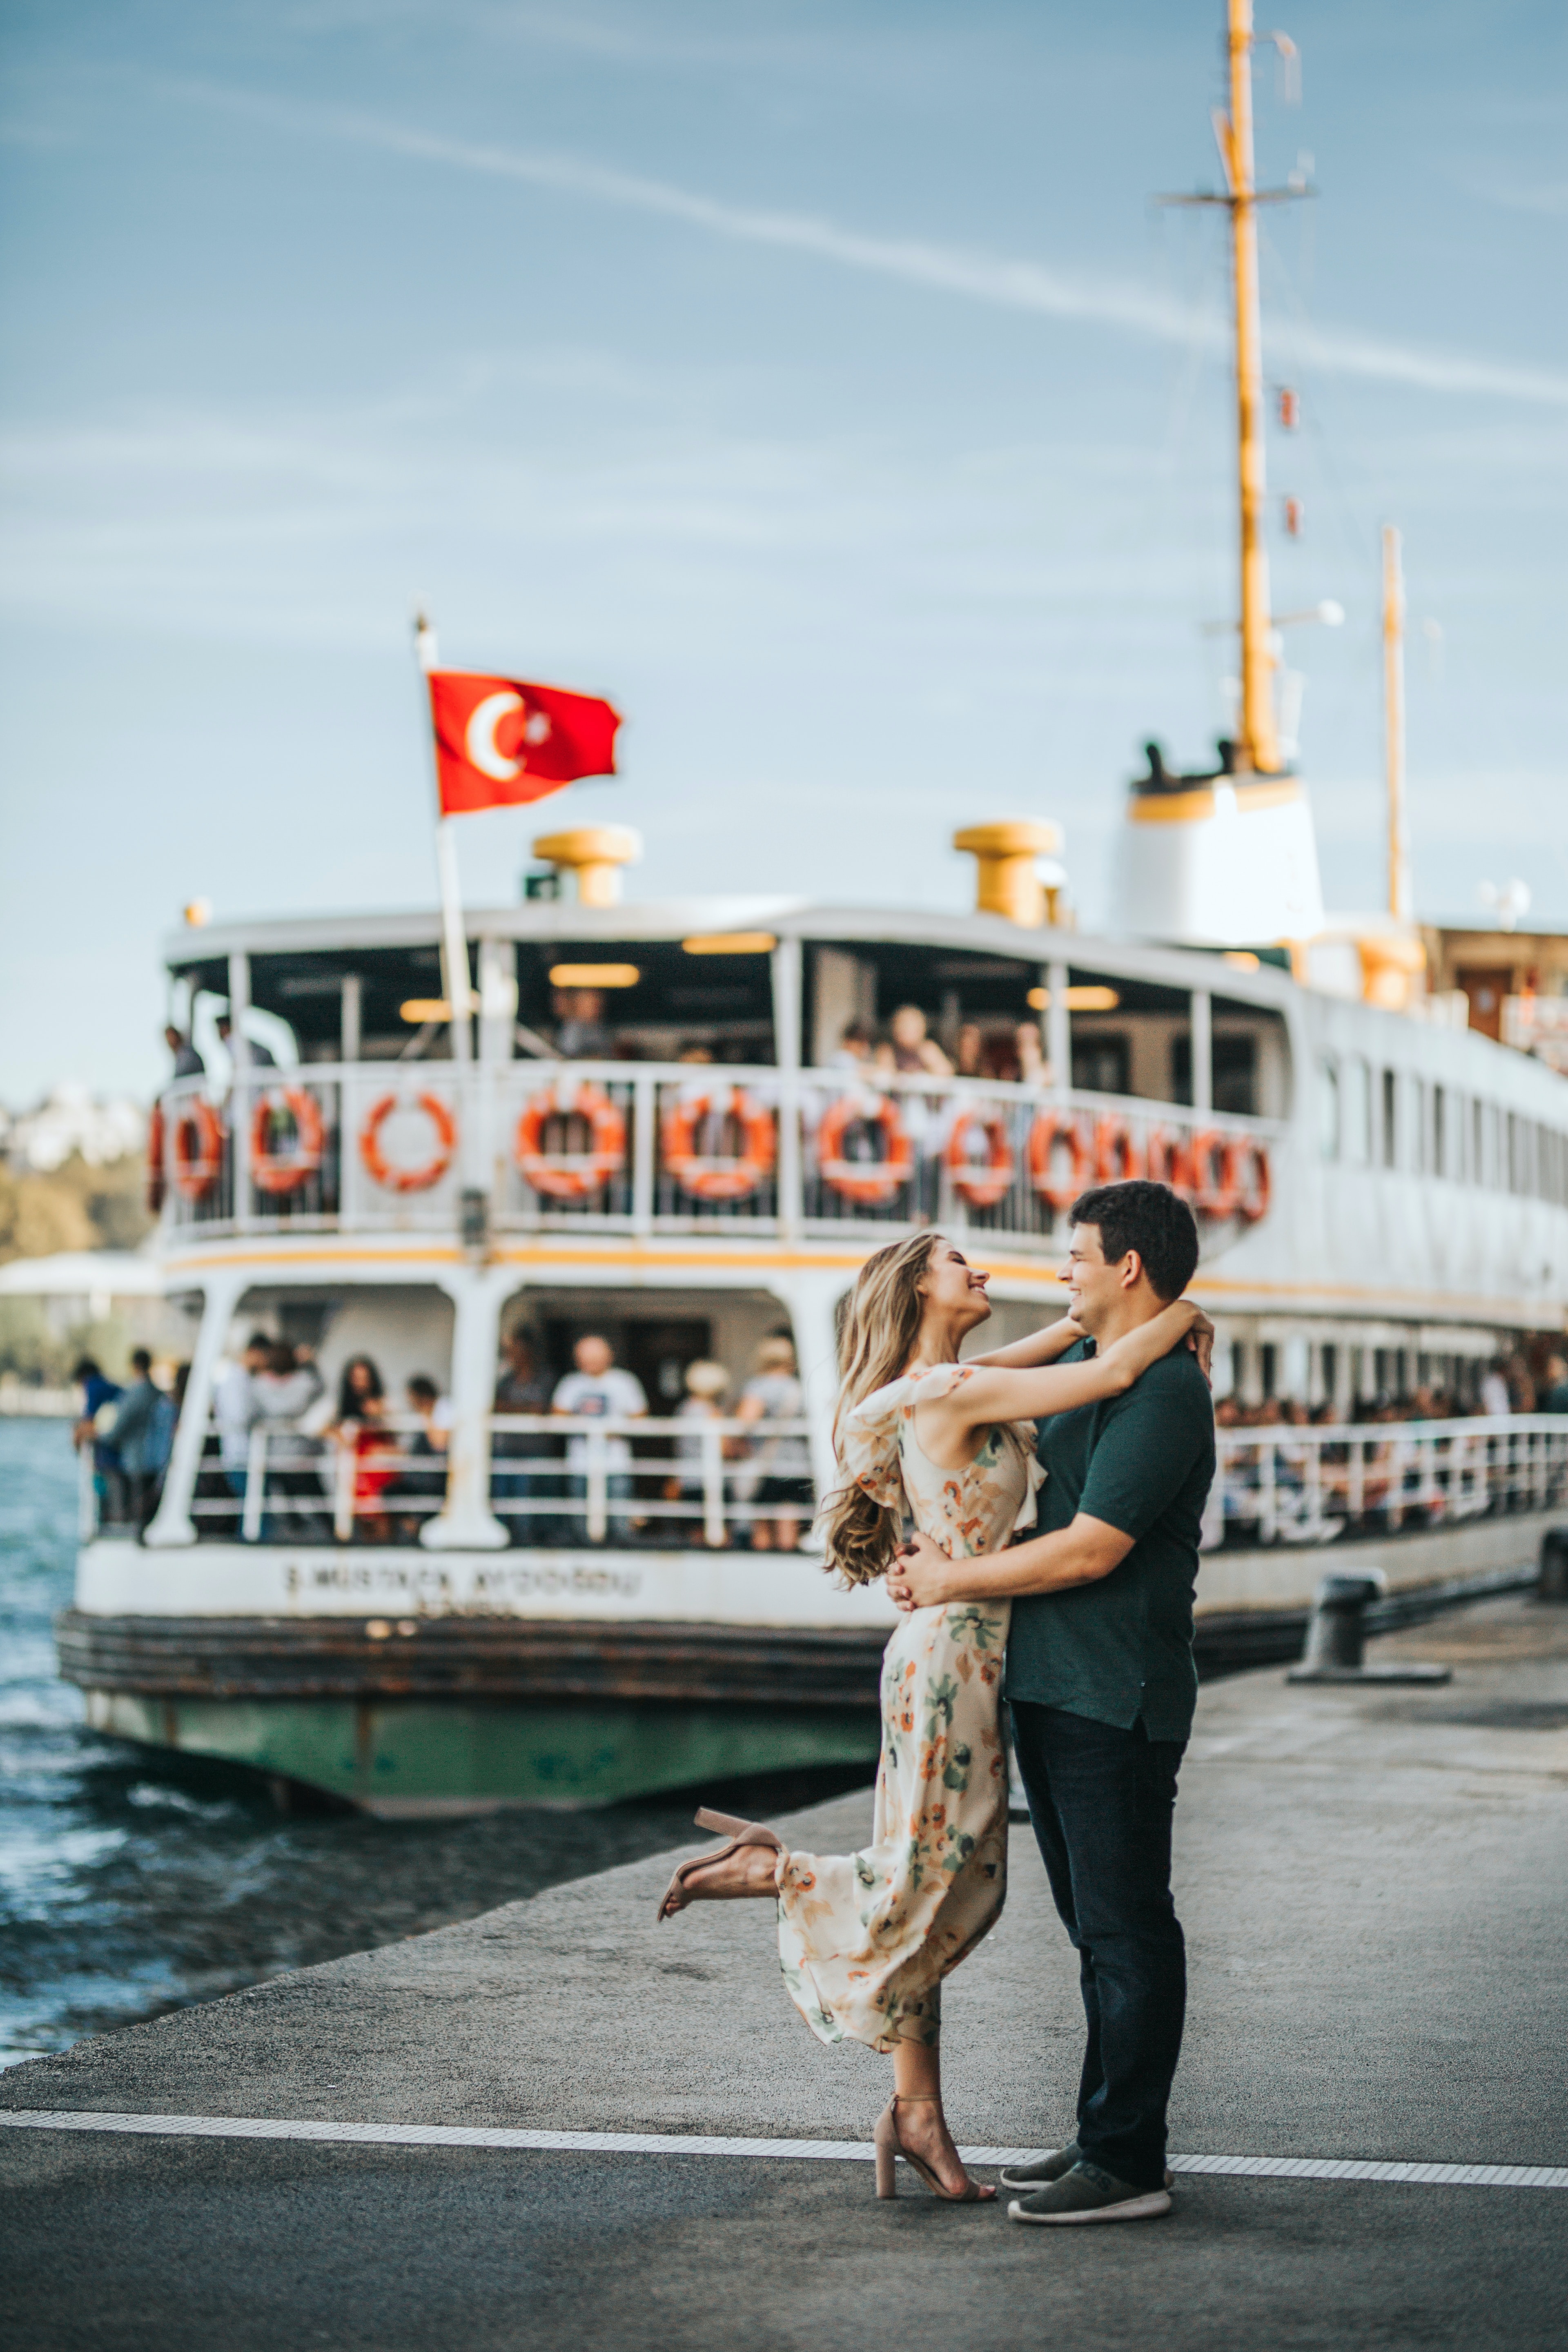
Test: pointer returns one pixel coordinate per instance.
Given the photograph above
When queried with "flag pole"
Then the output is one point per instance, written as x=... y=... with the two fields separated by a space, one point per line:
x=454 y=938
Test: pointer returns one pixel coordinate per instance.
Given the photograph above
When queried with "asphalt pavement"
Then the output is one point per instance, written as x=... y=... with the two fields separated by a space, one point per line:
x=1376 y=1903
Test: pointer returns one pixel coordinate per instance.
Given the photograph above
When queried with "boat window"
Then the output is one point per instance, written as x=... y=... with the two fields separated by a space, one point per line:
x=1101 y=1064
x=1390 y=1118
x=1355 y=1110
x=1420 y=1105
x=1441 y=1147
x=1477 y=1142
x=1329 y=1109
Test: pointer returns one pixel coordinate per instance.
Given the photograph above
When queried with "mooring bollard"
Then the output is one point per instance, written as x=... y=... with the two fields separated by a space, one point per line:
x=1336 y=1639
x=1553 y=1583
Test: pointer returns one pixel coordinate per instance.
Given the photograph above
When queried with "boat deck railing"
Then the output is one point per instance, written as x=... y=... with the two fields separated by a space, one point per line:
x=554 y=1478
x=692 y=1484
x=677 y=1148
x=1292 y=1485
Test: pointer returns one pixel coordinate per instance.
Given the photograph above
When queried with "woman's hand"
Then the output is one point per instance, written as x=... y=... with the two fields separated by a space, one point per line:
x=915 y=1580
x=1200 y=1340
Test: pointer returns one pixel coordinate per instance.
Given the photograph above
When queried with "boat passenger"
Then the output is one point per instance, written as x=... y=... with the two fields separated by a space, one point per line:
x=360 y=1428
x=784 y=1494
x=523 y=1388
x=188 y=1063
x=856 y=1047
x=706 y=1383
x=429 y=1441
x=259 y=1057
x=909 y=1050
x=236 y=1409
x=286 y=1388
x=599 y=1389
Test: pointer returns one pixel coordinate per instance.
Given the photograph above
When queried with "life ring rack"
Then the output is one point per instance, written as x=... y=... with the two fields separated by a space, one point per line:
x=870 y=1183
x=577 y=1175
x=709 y=1176
x=382 y=1172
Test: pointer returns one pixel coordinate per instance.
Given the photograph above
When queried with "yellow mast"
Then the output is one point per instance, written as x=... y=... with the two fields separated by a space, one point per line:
x=1258 y=750
x=1399 y=892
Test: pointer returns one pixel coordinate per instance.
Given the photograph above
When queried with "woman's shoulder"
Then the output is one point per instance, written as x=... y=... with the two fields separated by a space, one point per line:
x=911 y=1389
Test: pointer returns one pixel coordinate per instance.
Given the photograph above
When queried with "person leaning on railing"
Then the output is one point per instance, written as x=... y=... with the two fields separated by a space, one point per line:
x=774 y=1393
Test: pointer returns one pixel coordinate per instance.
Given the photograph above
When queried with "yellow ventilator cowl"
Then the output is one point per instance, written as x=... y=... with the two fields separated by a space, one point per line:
x=1006 y=882
x=594 y=853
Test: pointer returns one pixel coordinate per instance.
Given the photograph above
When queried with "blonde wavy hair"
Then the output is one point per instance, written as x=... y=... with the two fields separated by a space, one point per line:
x=882 y=1324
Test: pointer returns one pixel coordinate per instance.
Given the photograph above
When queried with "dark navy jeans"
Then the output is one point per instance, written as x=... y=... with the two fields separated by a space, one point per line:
x=1101 y=1801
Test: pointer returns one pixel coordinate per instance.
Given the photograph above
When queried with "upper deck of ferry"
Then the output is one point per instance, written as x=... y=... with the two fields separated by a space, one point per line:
x=676 y=1071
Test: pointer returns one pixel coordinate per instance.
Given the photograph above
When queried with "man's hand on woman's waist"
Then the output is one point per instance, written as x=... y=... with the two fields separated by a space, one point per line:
x=923 y=1576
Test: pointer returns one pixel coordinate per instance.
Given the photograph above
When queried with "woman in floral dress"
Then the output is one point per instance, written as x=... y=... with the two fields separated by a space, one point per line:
x=866 y=1938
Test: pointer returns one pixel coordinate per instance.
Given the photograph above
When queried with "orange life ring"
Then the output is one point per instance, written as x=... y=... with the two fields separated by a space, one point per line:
x=197 y=1169
x=1050 y=1128
x=408 y=1180
x=574 y=1175
x=1217 y=1187
x=1118 y=1155
x=277 y=1172
x=715 y=1179
x=981 y=1187
x=1168 y=1161
x=155 y=1177
x=871 y=1182
x=1250 y=1173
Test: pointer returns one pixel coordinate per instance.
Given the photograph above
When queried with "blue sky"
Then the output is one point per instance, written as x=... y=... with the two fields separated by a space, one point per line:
x=818 y=381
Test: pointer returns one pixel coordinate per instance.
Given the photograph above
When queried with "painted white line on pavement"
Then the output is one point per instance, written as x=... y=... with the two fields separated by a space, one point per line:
x=1256 y=2168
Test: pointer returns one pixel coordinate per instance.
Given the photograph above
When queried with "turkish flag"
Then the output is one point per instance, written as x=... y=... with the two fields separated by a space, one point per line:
x=499 y=741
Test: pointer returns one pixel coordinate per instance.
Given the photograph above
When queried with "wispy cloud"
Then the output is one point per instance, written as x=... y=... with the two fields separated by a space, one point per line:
x=963 y=271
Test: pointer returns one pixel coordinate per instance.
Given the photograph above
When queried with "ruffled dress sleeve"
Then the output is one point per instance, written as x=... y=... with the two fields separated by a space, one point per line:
x=868 y=1440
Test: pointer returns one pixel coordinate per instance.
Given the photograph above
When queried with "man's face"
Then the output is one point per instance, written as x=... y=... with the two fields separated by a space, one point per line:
x=594 y=1357
x=520 y=1355
x=1093 y=1286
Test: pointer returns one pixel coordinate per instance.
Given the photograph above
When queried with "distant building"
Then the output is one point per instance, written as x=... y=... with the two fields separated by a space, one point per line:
x=1514 y=982
x=69 y=1121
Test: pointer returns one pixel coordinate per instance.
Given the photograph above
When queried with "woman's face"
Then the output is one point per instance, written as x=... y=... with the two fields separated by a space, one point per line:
x=360 y=1382
x=908 y=1028
x=953 y=1290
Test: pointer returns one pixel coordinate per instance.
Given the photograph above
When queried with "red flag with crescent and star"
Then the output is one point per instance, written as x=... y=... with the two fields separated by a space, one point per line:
x=499 y=741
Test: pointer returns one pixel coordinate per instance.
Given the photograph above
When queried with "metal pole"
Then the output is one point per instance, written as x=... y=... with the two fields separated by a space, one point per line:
x=1202 y=1050
x=1399 y=891
x=1259 y=746
x=786 y=980
x=239 y=1089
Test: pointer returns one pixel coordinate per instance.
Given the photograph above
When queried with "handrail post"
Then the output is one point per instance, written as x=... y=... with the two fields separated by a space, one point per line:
x=645 y=1129
x=343 y=1493
x=239 y=1091
x=712 y=1486
x=786 y=980
x=85 y=1494
x=596 y=1466
x=254 y=1485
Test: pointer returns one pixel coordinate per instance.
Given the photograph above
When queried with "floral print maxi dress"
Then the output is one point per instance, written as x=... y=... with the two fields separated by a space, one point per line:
x=866 y=1938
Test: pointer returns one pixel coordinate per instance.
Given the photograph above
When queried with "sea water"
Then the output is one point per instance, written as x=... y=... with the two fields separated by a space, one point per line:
x=133 y=1881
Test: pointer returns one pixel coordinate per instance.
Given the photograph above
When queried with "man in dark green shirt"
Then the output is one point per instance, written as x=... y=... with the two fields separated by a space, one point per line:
x=1101 y=1685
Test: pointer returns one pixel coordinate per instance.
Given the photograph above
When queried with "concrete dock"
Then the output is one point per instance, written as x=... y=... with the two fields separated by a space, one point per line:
x=1374 y=1884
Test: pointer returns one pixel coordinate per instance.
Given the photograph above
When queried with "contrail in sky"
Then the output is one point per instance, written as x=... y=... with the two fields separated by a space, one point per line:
x=976 y=275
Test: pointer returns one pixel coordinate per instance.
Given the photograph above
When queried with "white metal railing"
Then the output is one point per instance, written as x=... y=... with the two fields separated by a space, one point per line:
x=371 y=1480
x=658 y=1146
x=1287 y=1484
x=716 y=1466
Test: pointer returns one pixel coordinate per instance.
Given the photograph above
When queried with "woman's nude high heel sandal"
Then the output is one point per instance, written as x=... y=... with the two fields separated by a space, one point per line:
x=889 y=2147
x=739 y=1833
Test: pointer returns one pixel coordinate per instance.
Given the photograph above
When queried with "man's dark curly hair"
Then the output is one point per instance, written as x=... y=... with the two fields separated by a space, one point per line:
x=1150 y=1218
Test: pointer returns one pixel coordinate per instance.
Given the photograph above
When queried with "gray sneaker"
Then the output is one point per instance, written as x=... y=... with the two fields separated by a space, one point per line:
x=1053 y=2166
x=1044 y=2169
x=1087 y=2194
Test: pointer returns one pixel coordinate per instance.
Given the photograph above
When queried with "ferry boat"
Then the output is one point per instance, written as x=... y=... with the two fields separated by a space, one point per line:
x=663 y=1130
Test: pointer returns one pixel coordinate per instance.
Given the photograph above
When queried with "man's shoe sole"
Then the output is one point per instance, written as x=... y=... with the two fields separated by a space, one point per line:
x=1130 y=2209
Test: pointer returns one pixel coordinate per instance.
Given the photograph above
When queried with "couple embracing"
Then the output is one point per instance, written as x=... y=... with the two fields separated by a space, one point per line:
x=1056 y=1489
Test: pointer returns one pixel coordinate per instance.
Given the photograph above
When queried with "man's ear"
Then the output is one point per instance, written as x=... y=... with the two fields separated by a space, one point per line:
x=1129 y=1273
